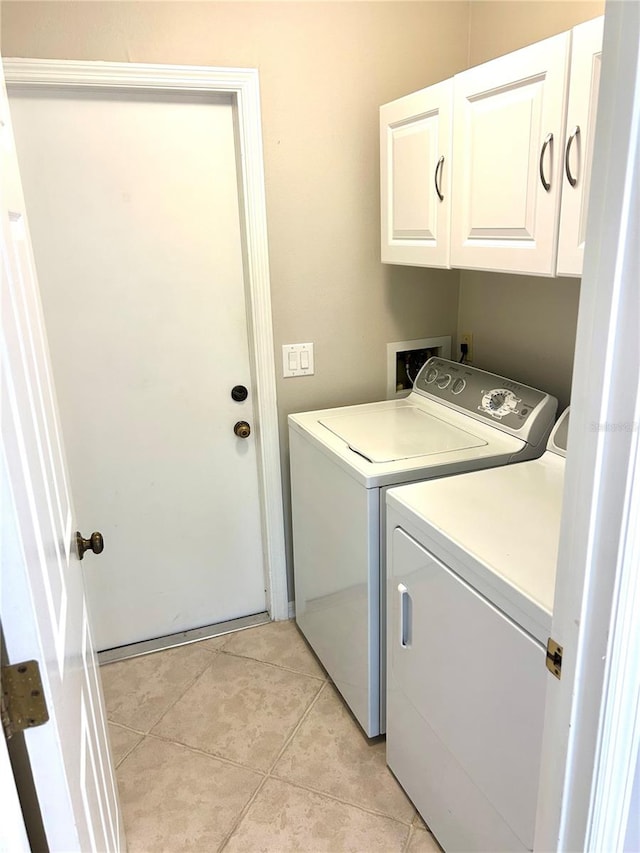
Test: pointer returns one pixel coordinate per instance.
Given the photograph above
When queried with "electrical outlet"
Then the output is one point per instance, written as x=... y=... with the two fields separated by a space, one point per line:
x=467 y=338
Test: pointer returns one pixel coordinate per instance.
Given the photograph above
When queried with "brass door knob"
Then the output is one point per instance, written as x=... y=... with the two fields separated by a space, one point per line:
x=94 y=543
x=242 y=429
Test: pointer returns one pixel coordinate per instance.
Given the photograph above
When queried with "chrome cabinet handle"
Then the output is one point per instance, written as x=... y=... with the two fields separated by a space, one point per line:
x=572 y=136
x=404 y=615
x=548 y=140
x=439 y=166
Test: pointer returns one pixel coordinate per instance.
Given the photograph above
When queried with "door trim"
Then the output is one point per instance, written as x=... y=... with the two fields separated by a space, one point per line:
x=242 y=84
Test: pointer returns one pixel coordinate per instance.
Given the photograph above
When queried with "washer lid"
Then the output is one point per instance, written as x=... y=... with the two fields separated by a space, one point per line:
x=400 y=433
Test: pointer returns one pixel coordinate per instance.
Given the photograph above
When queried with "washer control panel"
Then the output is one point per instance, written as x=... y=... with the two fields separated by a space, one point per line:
x=485 y=395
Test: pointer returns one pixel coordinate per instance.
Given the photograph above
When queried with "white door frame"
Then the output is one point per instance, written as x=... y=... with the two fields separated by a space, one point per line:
x=592 y=722
x=242 y=84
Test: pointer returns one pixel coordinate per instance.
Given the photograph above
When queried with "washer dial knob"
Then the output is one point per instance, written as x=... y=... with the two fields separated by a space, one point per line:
x=443 y=380
x=431 y=374
x=499 y=402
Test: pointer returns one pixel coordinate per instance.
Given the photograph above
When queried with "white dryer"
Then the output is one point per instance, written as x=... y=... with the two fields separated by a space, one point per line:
x=471 y=576
x=456 y=419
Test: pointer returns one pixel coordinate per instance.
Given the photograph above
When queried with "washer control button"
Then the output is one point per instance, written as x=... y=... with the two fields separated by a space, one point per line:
x=443 y=380
x=458 y=386
x=431 y=375
x=499 y=402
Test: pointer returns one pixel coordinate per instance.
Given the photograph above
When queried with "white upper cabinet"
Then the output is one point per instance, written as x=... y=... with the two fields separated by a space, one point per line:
x=509 y=121
x=586 y=54
x=491 y=170
x=415 y=173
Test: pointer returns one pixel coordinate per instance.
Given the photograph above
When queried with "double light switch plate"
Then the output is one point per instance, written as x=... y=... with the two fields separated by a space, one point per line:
x=297 y=359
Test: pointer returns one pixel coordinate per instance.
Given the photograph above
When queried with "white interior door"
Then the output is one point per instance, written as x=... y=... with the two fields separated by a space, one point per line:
x=136 y=227
x=42 y=604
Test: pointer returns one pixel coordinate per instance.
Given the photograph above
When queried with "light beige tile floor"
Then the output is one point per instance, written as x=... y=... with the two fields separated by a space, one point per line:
x=241 y=743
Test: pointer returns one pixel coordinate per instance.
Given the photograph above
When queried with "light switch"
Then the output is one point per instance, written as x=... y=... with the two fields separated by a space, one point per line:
x=297 y=360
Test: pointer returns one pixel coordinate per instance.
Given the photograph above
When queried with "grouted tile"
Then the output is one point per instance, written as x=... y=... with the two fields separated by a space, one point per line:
x=240 y=709
x=122 y=741
x=174 y=799
x=422 y=841
x=330 y=754
x=139 y=690
x=280 y=643
x=285 y=818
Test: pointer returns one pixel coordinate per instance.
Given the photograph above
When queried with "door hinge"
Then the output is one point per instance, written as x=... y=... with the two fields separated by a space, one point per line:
x=23 y=705
x=554 y=658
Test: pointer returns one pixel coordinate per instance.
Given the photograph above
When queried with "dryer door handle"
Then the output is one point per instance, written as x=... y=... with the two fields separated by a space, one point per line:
x=405 y=616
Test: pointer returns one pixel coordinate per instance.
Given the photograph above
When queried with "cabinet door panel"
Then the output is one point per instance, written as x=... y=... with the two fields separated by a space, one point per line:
x=415 y=133
x=414 y=150
x=503 y=218
x=586 y=57
x=504 y=125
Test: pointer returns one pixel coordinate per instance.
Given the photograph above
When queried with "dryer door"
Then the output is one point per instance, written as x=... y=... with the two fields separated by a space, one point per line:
x=465 y=705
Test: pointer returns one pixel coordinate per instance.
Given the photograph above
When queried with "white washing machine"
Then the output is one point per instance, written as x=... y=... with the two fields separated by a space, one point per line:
x=471 y=577
x=457 y=418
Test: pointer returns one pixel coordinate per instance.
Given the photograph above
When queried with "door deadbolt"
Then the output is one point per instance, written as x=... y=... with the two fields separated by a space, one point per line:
x=242 y=429
x=94 y=543
x=239 y=393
